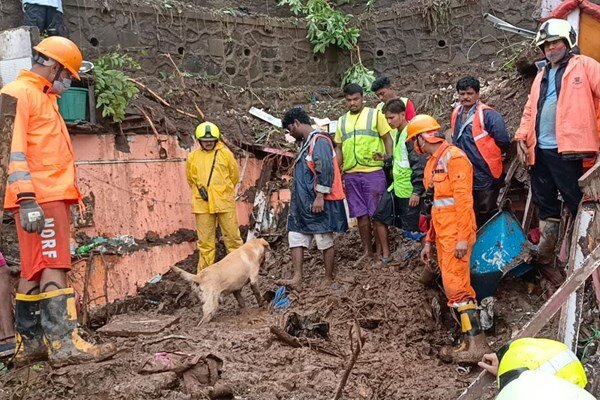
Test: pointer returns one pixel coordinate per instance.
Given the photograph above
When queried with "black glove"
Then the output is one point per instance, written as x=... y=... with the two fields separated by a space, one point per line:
x=32 y=216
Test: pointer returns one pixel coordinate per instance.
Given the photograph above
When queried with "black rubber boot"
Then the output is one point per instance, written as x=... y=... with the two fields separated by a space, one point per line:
x=474 y=343
x=29 y=339
x=59 y=321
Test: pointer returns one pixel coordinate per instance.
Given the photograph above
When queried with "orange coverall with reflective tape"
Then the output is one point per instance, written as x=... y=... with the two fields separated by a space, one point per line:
x=452 y=218
x=42 y=163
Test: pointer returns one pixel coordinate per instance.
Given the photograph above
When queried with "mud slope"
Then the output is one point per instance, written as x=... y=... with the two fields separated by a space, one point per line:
x=399 y=359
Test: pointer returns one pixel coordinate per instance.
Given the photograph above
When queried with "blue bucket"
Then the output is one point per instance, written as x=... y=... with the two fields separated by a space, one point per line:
x=501 y=247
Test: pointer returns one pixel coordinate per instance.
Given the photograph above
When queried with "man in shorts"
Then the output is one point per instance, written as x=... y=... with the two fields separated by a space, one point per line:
x=362 y=137
x=41 y=189
x=317 y=196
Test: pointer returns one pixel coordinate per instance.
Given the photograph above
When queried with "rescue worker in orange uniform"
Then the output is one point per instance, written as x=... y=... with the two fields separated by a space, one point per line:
x=449 y=175
x=558 y=130
x=41 y=188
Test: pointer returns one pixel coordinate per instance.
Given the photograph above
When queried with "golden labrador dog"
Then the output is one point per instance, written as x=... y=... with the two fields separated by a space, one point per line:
x=228 y=276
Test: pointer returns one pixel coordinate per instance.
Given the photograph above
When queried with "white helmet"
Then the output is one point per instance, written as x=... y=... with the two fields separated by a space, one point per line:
x=555 y=29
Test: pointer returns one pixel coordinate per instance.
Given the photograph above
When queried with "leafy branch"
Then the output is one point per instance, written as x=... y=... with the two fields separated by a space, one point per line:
x=113 y=90
x=326 y=27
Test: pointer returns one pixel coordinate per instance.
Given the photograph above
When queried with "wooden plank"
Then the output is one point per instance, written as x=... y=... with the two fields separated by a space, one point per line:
x=127 y=325
x=507 y=181
x=581 y=242
x=8 y=112
x=541 y=318
x=590 y=182
x=528 y=214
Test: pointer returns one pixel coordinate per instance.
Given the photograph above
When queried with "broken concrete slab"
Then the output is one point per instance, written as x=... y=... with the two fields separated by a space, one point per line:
x=127 y=325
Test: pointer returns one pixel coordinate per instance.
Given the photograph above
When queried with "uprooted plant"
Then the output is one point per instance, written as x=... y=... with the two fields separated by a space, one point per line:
x=113 y=89
x=326 y=27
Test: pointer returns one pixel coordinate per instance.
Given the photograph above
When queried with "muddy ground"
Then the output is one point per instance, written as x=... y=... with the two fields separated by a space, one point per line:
x=399 y=360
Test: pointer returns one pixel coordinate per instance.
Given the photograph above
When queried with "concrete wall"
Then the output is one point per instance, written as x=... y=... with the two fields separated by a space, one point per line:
x=257 y=51
x=137 y=192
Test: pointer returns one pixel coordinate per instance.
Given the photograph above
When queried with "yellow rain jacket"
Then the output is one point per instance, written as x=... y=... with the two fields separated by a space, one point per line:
x=221 y=191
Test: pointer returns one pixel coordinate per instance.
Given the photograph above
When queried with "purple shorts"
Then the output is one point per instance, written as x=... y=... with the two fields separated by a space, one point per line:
x=363 y=191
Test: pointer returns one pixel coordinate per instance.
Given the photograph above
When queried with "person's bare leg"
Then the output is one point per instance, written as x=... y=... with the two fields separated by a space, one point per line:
x=329 y=261
x=364 y=228
x=53 y=279
x=297 y=259
x=28 y=287
x=382 y=233
x=7 y=324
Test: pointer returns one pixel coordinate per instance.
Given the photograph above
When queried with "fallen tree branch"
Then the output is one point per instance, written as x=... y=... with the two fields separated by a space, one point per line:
x=356 y=349
x=161 y=100
x=169 y=337
x=301 y=342
x=181 y=77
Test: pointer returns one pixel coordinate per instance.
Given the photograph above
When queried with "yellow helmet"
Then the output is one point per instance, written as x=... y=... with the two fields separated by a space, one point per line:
x=207 y=131
x=555 y=29
x=542 y=355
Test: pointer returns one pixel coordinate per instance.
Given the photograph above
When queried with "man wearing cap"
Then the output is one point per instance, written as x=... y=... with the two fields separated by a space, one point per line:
x=212 y=174
x=449 y=176
x=41 y=188
x=558 y=131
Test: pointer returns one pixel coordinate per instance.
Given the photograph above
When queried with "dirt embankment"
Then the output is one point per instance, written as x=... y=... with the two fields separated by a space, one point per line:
x=404 y=325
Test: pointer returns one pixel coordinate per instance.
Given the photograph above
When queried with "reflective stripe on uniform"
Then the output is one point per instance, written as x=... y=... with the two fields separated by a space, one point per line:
x=19 y=176
x=359 y=132
x=480 y=136
x=368 y=131
x=17 y=156
x=402 y=163
x=558 y=362
x=443 y=202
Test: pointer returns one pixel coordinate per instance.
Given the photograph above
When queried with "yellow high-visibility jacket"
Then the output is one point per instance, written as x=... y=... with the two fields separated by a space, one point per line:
x=221 y=191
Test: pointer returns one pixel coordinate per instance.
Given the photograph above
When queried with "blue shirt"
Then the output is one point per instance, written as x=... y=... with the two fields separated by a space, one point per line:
x=547 y=126
x=50 y=3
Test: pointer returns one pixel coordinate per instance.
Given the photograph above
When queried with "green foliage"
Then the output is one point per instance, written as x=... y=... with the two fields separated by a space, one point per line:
x=358 y=73
x=326 y=26
x=113 y=89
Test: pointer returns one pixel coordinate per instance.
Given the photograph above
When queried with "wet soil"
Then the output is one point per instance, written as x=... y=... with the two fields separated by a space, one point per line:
x=402 y=328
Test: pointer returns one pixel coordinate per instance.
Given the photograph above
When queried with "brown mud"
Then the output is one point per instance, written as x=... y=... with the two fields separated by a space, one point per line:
x=404 y=325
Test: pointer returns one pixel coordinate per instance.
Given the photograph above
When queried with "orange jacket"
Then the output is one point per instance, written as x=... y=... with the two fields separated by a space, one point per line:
x=450 y=173
x=576 y=124
x=41 y=164
x=489 y=150
x=337 y=188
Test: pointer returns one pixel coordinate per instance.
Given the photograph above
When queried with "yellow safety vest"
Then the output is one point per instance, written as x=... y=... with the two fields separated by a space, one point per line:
x=361 y=139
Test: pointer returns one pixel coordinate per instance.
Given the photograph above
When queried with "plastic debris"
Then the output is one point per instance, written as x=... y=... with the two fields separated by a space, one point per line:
x=155 y=279
x=281 y=300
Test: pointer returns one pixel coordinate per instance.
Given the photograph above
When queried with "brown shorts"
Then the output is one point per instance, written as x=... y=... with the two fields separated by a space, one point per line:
x=50 y=249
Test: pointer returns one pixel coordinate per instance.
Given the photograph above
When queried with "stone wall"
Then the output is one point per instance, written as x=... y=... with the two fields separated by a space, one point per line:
x=399 y=40
x=250 y=51
x=259 y=51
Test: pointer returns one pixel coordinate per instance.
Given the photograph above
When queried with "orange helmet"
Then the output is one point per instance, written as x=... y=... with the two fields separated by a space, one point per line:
x=423 y=124
x=63 y=51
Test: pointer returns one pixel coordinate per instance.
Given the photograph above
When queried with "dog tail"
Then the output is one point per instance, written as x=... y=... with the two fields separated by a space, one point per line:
x=184 y=274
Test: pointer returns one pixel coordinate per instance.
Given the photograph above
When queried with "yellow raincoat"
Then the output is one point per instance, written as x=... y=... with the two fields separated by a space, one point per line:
x=220 y=206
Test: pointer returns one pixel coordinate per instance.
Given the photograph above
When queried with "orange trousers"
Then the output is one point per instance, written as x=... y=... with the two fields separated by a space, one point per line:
x=456 y=273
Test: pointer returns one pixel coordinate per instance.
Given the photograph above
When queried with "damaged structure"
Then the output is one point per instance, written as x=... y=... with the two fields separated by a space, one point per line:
x=242 y=67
